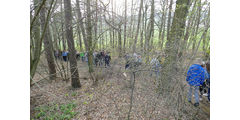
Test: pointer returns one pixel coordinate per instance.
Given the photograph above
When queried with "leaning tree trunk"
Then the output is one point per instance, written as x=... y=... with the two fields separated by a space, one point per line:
x=36 y=47
x=69 y=35
x=48 y=46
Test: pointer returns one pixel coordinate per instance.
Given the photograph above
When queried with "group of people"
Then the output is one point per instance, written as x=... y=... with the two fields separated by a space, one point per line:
x=99 y=58
x=198 y=78
x=62 y=55
x=133 y=60
x=198 y=75
x=102 y=57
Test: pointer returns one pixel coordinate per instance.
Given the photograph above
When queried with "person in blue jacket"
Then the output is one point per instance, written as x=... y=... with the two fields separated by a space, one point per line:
x=65 y=55
x=195 y=77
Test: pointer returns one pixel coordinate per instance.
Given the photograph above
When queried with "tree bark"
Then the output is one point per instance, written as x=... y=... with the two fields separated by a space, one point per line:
x=62 y=25
x=120 y=41
x=69 y=35
x=171 y=47
x=150 y=31
x=138 y=25
x=89 y=38
x=48 y=46
x=36 y=46
x=113 y=33
x=198 y=21
x=81 y=24
x=125 y=27
x=169 y=18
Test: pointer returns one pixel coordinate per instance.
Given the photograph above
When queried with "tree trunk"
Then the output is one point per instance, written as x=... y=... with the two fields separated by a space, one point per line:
x=95 y=26
x=62 y=25
x=89 y=38
x=169 y=18
x=35 y=47
x=113 y=35
x=198 y=21
x=145 y=28
x=79 y=38
x=125 y=27
x=205 y=33
x=48 y=46
x=163 y=24
x=69 y=35
x=171 y=47
x=81 y=24
x=120 y=41
x=150 y=31
x=138 y=25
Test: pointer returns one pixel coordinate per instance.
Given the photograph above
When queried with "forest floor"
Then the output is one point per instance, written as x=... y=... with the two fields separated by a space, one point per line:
x=108 y=100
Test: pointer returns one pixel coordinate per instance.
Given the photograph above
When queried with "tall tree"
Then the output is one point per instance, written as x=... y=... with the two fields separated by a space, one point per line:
x=48 y=46
x=150 y=29
x=169 y=18
x=81 y=24
x=189 y=27
x=36 y=39
x=96 y=25
x=69 y=35
x=119 y=40
x=197 y=22
x=175 y=36
x=113 y=32
x=162 y=27
x=62 y=26
x=125 y=27
x=138 y=25
x=89 y=38
x=205 y=32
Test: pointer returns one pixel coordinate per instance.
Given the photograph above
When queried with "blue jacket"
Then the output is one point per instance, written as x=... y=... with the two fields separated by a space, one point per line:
x=64 y=53
x=196 y=75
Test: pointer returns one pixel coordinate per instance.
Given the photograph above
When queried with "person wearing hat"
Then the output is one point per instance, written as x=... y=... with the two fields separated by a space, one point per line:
x=195 y=77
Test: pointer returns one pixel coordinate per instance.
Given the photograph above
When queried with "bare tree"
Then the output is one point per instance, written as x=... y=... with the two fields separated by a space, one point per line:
x=48 y=46
x=89 y=38
x=69 y=34
x=81 y=24
x=169 y=18
x=36 y=39
x=150 y=29
x=62 y=26
x=138 y=25
x=175 y=36
x=125 y=27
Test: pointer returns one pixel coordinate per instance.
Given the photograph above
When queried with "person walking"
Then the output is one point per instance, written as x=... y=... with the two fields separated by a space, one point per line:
x=155 y=66
x=107 y=60
x=65 y=54
x=82 y=56
x=195 y=77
